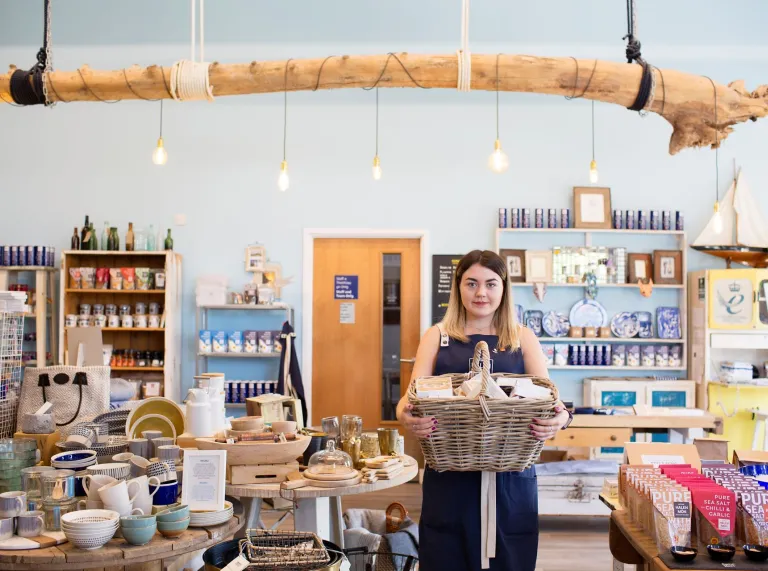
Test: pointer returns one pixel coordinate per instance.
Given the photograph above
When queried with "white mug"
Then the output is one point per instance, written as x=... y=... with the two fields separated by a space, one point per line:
x=154 y=321
x=92 y=483
x=143 y=499
x=124 y=510
x=126 y=320
x=12 y=504
x=30 y=524
x=71 y=320
x=6 y=528
x=117 y=493
x=140 y=321
x=90 y=505
x=113 y=320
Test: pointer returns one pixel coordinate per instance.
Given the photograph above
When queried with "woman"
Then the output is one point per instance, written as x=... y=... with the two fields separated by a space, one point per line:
x=480 y=309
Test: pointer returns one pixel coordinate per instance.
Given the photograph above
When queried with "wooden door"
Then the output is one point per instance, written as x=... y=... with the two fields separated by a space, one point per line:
x=365 y=326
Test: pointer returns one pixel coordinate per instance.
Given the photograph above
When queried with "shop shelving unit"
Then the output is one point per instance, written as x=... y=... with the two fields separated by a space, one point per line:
x=167 y=339
x=45 y=317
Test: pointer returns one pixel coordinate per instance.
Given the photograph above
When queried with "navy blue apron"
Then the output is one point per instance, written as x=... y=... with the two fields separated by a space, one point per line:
x=449 y=528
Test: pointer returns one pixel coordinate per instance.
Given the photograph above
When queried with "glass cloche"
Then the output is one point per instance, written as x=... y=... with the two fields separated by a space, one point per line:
x=330 y=461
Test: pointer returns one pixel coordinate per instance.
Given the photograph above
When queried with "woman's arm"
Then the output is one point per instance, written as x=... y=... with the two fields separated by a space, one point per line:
x=426 y=356
x=536 y=365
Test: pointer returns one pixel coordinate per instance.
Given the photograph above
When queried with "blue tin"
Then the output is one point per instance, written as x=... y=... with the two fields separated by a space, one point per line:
x=40 y=255
x=539 y=217
x=30 y=255
x=3 y=252
x=655 y=220
x=630 y=220
x=23 y=257
x=666 y=220
x=642 y=220
x=618 y=220
x=14 y=256
x=503 y=218
x=51 y=252
x=514 y=217
x=679 y=223
x=552 y=218
x=526 y=215
x=565 y=218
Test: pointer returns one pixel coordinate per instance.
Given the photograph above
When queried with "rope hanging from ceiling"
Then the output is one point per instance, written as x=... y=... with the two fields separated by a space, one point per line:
x=28 y=87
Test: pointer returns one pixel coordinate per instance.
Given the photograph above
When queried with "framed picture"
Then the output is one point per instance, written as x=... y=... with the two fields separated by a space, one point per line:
x=592 y=207
x=640 y=267
x=668 y=267
x=538 y=266
x=515 y=264
x=203 y=481
x=255 y=258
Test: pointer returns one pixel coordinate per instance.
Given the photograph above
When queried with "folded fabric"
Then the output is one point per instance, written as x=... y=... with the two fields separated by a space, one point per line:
x=404 y=542
x=472 y=387
x=372 y=520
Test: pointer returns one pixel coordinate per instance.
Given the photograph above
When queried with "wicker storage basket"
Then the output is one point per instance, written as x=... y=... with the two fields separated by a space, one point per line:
x=482 y=434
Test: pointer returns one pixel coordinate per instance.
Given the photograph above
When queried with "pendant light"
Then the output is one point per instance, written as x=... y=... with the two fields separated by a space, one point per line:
x=160 y=155
x=593 y=175
x=376 y=161
x=717 y=219
x=498 y=161
x=282 y=181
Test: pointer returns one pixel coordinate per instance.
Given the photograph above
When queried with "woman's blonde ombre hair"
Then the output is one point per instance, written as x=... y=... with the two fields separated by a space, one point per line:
x=504 y=321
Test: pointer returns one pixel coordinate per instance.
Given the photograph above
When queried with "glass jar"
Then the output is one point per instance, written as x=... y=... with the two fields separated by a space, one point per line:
x=31 y=479
x=54 y=509
x=142 y=360
x=59 y=484
x=330 y=461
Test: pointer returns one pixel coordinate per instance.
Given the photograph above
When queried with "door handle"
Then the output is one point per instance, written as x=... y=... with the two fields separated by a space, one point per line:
x=408 y=361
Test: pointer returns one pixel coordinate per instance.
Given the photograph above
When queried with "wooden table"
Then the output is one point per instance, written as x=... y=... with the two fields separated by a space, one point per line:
x=317 y=509
x=158 y=555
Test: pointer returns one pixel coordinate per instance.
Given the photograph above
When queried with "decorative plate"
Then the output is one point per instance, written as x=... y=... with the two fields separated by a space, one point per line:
x=153 y=422
x=625 y=325
x=588 y=313
x=668 y=322
x=556 y=324
x=156 y=406
x=532 y=320
x=645 y=322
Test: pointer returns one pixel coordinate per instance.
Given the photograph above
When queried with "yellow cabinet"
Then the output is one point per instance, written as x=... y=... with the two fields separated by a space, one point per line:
x=738 y=299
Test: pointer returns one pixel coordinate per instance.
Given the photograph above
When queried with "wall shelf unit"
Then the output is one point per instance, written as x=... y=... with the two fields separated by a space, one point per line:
x=167 y=339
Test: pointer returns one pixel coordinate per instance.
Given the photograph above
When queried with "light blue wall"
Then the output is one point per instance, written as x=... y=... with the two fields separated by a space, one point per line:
x=59 y=164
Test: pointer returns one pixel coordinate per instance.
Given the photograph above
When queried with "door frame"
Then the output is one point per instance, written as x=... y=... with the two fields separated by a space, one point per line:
x=310 y=234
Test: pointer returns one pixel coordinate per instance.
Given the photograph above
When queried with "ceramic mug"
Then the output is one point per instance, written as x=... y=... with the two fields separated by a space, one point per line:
x=154 y=308
x=590 y=332
x=139 y=466
x=126 y=320
x=139 y=447
x=140 y=321
x=118 y=493
x=83 y=322
x=80 y=439
x=12 y=504
x=113 y=321
x=140 y=308
x=71 y=320
x=164 y=471
x=124 y=510
x=30 y=524
x=85 y=309
x=100 y=320
x=164 y=494
x=123 y=457
x=90 y=505
x=576 y=332
x=92 y=483
x=6 y=528
x=158 y=442
x=169 y=452
x=154 y=321
x=143 y=499
x=152 y=434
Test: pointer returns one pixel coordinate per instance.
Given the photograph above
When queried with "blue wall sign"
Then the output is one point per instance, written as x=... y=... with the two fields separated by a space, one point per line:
x=345 y=287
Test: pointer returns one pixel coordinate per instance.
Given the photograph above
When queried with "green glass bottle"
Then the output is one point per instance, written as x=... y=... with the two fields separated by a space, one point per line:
x=94 y=241
x=169 y=241
x=114 y=239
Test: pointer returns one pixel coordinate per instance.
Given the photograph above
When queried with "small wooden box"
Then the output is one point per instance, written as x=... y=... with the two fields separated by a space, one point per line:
x=261 y=474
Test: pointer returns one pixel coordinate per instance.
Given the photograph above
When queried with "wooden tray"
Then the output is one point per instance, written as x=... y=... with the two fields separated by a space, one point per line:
x=339 y=484
x=256 y=453
x=350 y=475
x=47 y=539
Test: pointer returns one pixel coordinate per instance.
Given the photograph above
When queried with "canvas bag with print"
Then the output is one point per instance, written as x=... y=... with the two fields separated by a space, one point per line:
x=77 y=394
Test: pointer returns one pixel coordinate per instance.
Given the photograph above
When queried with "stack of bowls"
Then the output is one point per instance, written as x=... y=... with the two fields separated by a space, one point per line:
x=174 y=521
x=15 y=454
x=104 y=450
x=79 y=460
x=208 y=518
x=90 y=529
x=138 y=529
x=117 y=470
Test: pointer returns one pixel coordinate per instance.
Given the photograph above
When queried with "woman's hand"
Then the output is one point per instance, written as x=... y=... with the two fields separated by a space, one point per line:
x=419 y=427
x=546 y=429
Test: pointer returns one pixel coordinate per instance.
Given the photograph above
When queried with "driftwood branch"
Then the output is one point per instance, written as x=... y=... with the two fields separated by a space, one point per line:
x=685 y=100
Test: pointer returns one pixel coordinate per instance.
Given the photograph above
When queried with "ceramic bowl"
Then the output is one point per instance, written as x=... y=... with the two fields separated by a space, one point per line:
x=139 y=535
x=683 y=554
x=172 y=528
x=721 y=552
x=247 y=423
x=72 y=457
x=176 y=513
x=756 y=552
x=286 y=426
x=137 y=521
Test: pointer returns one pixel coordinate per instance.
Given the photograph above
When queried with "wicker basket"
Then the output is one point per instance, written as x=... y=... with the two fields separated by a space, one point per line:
x=482 y=434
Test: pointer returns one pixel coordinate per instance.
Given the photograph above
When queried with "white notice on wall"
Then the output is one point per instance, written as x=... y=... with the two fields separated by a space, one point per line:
x=347 y=313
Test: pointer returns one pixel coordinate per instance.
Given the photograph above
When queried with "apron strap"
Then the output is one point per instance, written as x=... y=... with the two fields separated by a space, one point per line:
x=487 y=518
x=443 y=335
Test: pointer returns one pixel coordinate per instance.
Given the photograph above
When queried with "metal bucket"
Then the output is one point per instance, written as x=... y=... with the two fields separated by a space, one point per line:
x=219 y=556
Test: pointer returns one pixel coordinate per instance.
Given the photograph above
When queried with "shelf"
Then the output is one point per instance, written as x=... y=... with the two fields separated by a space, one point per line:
x=602 y=368
x=29 y=269
x=247 y=307
x=594 y=231
x=234 y=404
x=600 y=286
x=114 y=253
x=34 y=316
x=117 y=291
x=241 y=355
x=131 y=329
x=155 y=369
x=608 y=340
x=33 y=363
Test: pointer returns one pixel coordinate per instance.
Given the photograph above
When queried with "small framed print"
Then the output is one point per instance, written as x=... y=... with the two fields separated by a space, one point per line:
x=255 y=258
x=640 y=268
x=204 y=479
x=668 y=267
x=515 y=260
x=538 y=266
x=592 y=207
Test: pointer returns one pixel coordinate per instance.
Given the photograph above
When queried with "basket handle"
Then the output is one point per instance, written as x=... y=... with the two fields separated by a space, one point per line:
x=481 y=364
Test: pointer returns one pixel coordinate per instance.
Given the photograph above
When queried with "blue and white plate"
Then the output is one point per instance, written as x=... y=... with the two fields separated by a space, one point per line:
x=533 y=319
x=645 y=322
x=668 y=322
x=556 y=324
x=625 y=325
x=588 y=313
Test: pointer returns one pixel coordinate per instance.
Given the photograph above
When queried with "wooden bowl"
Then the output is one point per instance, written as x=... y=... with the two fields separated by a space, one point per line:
x=254 y=453
x=248 y=424
x=284 y=426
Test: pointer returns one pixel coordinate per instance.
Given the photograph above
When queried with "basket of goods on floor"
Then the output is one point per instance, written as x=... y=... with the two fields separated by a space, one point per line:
x=483 y=419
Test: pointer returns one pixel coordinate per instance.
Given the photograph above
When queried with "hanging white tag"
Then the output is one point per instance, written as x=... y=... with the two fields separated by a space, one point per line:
x=231 y=441
x=238 y=564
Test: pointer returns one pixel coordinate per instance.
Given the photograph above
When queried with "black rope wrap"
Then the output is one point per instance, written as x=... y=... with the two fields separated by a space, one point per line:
x=634 y=55
x=27 y=87
x=644 y=91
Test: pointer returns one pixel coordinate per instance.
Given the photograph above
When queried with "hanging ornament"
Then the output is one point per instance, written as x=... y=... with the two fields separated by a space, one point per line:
x=646 y=287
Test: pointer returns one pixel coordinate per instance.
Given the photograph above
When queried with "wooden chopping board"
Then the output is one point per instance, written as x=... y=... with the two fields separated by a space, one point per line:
x=337 y=477
x=337 y=484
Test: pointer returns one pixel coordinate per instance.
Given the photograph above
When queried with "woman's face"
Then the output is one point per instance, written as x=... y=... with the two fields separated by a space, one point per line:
x=481 y=291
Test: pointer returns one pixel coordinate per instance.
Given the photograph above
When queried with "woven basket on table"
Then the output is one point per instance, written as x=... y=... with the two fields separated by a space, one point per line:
x=482 y=434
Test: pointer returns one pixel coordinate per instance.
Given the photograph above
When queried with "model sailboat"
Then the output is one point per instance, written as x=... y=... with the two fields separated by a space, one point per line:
x=743 y=236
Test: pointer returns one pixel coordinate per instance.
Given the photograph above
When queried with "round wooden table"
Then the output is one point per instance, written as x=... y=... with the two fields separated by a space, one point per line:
x=317 y=509
x=118 y=555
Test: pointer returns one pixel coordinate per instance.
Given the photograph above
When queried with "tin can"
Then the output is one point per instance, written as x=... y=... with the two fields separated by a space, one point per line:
x=607 y=355
x=23 y=257
x=655 y=220
x=40 y=255
x=539 y=217
x=565 y=218
x=666 y=220
x=552 y=218
x=514 y=218
x=526 y=215
x=582 y=355
x=590 y=359
x=642 y=220
x=630 y=220
x=679 y=223
x=14 y=256
x=30 y=255
x=503 y=218
x=3 y=262
x=51 y=256
x=618 y=220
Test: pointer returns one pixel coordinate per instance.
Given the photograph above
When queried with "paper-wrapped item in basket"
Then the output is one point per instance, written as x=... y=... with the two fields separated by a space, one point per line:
x=434 y=387
x=472 y=387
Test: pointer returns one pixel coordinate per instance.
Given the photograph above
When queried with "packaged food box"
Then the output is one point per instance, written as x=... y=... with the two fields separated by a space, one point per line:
x=714 y=515
x=88 y=278
x=129 y=278
x=102 y=278
x=235 y=341
x=115 y=278
x=219 y=341
x=266 y=343
x=142 y=278
x=752 y=524
x=205 y=343
x=277 y=339
x=75 y=278
x=672 y=517
x=434 y=387
x=251 y=342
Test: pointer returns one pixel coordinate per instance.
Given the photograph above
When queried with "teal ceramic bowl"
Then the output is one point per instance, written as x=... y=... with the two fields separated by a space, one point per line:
x=139 y=535
x=172 y=528
x=176 y=513
x=137 y=521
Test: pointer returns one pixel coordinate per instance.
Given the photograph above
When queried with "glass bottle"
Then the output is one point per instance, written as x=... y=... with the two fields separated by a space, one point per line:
x=140 y=240
x=129 y=237
x=93 y=244
x=114 y=239
x=84 y=234
x=75 y=245
x=151 y=243
x=104 y=237
x=169 y=241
